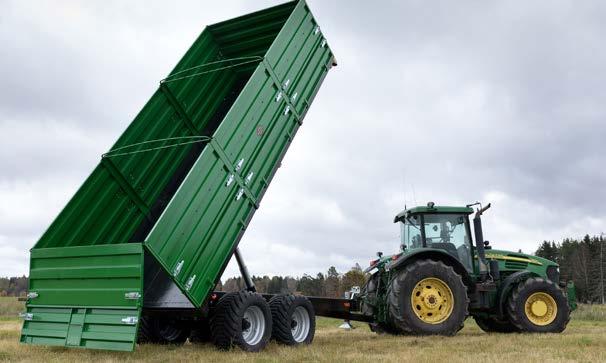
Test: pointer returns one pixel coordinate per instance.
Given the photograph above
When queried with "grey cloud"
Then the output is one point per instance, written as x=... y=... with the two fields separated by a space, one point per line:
x=445 y=101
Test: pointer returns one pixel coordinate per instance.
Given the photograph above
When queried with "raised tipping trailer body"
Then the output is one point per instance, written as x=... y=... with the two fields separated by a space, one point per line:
x=159 y=218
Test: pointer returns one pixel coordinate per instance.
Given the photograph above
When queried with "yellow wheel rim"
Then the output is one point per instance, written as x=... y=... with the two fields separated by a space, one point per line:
x=432 y=301
x=541 y=309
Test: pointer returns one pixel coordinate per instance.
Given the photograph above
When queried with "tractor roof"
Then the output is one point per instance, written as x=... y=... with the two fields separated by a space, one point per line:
x=432 y=209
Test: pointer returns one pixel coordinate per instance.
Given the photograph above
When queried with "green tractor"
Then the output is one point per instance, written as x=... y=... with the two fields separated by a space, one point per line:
x=439 y=277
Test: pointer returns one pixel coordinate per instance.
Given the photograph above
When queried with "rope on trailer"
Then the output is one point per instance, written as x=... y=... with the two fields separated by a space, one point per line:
x=246 y=60
x=193 y=140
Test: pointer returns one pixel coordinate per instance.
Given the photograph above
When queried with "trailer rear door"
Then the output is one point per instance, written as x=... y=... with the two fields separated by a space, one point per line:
x=87 y=296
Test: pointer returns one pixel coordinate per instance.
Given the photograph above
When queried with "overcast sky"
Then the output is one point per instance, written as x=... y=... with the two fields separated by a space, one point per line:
x=442 y=101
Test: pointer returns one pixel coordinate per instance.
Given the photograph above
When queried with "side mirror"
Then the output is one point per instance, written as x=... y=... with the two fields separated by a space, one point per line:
x=487 y=245
x=379 y=254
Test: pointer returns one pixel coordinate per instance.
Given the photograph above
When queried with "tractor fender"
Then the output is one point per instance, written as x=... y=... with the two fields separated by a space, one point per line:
x=510 y=282
x=436 y=255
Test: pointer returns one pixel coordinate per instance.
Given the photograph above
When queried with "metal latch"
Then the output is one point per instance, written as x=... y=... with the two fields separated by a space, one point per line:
x=287 y=110
x=190 y=282
x=132 y=295
x=294 y=97
x=230 y=179
x=178 y=268
x=240 y=193
x=248 y=178
x=32 y=295
x=279 y=96
x=239 y=165
x=323 y=43
x=130 y=320
x=26 y=316
x=317 y=30
x=286 y=83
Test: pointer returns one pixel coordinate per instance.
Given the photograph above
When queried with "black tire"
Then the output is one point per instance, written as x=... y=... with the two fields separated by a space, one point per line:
x=200 y=332
x=369 y=294
x=285 y=311
x=491 y=325
x=161 y=330
x=382 y=328
x=230 y=328
x=518 y=299
x=402 y=287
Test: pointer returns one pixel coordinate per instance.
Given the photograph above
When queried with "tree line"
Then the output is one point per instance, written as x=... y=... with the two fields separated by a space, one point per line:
x=329 y=284
x=581 y=261
x=13 y=286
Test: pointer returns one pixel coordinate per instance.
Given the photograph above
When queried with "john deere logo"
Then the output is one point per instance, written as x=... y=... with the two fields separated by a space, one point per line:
x=260 y=130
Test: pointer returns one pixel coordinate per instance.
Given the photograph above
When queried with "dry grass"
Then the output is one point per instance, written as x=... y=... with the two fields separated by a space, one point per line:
x=584 y=340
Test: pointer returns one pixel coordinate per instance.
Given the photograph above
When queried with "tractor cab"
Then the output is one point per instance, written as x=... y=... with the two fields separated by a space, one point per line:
x=437 y=227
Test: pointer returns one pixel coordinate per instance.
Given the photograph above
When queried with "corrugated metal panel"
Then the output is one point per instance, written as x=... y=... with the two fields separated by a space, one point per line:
x=125 y=194
x=85 y=296
x=200 y=228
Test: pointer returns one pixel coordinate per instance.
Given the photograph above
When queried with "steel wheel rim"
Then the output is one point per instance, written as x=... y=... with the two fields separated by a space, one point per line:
x=255 y=330
x=432 y=300
x=541 y=308
x=300 y=324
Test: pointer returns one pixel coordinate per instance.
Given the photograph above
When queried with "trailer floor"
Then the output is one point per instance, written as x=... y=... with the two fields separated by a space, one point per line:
x=584 y=340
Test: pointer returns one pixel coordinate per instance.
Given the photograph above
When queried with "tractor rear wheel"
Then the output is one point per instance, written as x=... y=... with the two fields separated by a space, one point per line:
x=538 y=305
x=293 y=319
x=491 y=325
x=428 y=298
x=243 y=319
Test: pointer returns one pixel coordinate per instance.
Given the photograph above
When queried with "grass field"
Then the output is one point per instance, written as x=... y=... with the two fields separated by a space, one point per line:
x=584 y=340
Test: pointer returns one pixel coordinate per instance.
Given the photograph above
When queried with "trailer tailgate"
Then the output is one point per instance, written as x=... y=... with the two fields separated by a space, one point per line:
x=86 y=296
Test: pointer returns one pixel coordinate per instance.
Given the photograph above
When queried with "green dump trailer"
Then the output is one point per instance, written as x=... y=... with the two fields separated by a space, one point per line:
x=136 y=252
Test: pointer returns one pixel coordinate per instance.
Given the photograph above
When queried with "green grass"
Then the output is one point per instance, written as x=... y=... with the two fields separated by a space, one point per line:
x=583 y=340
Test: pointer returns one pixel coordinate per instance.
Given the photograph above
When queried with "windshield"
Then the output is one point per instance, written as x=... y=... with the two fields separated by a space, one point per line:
x=448 y=232
x=410 y=233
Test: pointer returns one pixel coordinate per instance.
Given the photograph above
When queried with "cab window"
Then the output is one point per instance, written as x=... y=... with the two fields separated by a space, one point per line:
x=449 y=232
x=410 y=233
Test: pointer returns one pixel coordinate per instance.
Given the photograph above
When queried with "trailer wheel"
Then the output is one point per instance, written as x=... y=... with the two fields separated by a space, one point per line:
x=294 y=319
x=428 y=298
x=160 y=330
x=491 y=325
x=200 y=332
x=539 y=306
x=241 y=319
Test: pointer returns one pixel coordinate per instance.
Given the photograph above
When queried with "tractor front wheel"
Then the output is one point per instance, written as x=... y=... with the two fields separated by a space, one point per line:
x=538 y=305
x=428 y=298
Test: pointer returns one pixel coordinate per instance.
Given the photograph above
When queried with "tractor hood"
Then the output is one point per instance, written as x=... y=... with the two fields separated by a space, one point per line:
x=502 y=255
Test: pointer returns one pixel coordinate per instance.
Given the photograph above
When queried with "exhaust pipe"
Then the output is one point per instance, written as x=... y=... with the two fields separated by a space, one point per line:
x=477 y=226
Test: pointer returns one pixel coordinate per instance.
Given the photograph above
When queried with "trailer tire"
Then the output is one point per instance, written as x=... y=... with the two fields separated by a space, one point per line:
x=538 y=305
x=438 y=294
x=293 y=319
x=200 y=333
x=491 y=325
x=159 y=330
x=241 y=319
